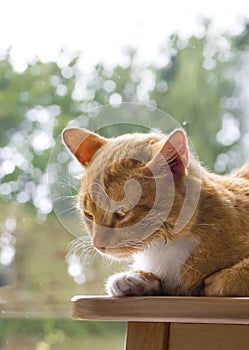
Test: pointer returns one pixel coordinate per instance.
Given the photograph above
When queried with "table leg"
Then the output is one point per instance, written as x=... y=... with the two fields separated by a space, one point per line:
x=147 y=336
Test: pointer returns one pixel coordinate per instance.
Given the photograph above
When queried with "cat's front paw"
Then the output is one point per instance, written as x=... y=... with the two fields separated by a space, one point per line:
x=133 y=283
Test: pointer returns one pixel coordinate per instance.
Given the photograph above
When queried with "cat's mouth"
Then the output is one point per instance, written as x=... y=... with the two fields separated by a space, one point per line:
x=125 y=252
x=117 y=252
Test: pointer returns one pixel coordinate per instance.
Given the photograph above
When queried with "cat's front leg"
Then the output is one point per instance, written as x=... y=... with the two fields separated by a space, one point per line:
x=134 y=283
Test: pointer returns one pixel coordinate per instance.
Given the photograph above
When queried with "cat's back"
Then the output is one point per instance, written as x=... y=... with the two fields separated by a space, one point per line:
x=230 y=196
x=243 y=172
x=240 y=188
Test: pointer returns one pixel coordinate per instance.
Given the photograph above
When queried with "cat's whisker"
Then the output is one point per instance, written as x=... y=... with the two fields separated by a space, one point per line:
x=94 y=254
x=110 y=262
x=78 y=246
x=66 y=183
x=65 y=179
x=81 y=243
x=60 y=177
x=181 y=262
x=74 y=197
x=83 y=249
x=68 y=211
x=84 y=256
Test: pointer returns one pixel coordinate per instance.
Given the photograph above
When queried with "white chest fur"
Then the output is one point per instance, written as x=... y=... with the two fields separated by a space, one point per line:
x=165 y=261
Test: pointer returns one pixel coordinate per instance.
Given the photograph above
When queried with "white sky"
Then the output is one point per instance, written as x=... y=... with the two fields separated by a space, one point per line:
x=99 y=28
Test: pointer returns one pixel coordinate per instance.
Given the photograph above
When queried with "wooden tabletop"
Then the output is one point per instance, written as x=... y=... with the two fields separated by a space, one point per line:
x=162 y=309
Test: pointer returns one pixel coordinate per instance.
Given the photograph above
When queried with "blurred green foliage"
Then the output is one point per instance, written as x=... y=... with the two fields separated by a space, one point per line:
x=60 y=334
x=201 y=82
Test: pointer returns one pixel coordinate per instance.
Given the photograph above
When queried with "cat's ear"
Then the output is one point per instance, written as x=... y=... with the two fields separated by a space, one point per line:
x=174 y=153
x=82 y=143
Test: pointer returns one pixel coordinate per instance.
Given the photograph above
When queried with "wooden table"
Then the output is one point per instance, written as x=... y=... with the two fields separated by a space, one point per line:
x=172 y=323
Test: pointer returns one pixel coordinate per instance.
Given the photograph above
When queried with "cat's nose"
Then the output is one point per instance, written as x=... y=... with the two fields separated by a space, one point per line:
x=101 y=249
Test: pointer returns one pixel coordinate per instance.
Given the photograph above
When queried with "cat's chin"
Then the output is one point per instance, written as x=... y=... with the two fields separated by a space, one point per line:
x=126 y=252
x=119 y=257
x=118 y=253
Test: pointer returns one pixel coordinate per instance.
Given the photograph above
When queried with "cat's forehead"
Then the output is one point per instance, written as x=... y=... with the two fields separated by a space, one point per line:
x=139 y=147
x=131 y=146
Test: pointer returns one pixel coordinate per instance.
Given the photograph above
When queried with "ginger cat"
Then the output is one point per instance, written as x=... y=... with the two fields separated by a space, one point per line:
x=131 y=196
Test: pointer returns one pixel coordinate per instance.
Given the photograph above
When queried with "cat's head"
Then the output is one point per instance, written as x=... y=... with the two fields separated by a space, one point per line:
x=132 y=188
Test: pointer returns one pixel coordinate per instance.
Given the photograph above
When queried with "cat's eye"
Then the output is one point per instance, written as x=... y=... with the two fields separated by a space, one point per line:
x=88 y=215
x=121 y=212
